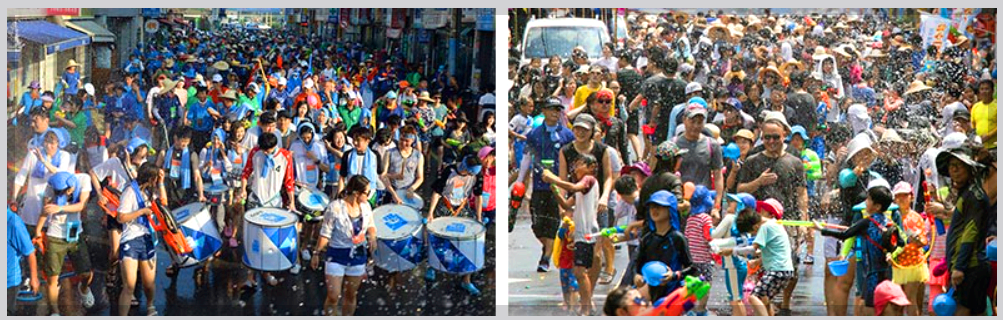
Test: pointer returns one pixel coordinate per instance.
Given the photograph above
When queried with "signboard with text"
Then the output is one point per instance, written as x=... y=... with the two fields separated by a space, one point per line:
x=62 y=11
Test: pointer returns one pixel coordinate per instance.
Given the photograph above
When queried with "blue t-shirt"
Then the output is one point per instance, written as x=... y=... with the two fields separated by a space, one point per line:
x=198 y=114
x=72 y=82
x=18 y=245
x=29 y=103
x=547 y=145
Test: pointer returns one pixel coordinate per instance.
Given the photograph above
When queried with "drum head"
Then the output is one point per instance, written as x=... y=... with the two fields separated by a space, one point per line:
x=411 y=199
x=396 y=221
x=216 y=189
x=313 y=199
x=187 y=212
x=455 y=228
x=270 y=217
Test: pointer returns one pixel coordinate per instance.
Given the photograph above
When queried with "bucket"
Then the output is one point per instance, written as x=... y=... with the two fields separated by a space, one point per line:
x=944 y=305
x=991 y=251
x=838 y=268
x=653 y=273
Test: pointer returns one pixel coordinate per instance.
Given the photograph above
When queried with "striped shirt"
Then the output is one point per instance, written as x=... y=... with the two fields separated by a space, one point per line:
x=698 y=236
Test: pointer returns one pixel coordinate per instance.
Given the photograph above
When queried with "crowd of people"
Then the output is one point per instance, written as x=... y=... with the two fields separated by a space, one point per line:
x=262 y=115
x=724 y=143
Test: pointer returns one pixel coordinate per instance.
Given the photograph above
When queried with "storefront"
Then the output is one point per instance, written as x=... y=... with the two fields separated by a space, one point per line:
x=40 y=51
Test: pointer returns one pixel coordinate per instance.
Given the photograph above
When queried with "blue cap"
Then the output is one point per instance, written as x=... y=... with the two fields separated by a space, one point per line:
x=62 y=180
x=702 y=200
x=744 y=200
x=798 y=130
x=134 y=144
x=731 y=151
x=697 y=100
x=391 y=95
x=665 y=199
x=734 y=103
x=219 y=133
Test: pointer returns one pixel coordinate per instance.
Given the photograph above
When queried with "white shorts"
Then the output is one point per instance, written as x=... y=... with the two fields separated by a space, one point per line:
x=340 y=270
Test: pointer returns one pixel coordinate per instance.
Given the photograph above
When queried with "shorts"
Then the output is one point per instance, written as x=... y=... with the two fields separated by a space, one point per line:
x=139 y=249
x=772 y=283
x=606 y=219
x=706 y=271
x=57 y=249
x=734 y=281
x=334 y=269
x=545 y=214
x=919 y=273
x=112 y=223
x=569 y=283
x=972 y=292
x=584 y=254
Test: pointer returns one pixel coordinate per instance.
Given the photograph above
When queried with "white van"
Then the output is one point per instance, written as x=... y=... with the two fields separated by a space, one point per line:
x=544 y=38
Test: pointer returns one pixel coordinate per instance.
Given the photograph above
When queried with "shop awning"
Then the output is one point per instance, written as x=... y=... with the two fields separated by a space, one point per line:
x=50 y=35
x=97 y=33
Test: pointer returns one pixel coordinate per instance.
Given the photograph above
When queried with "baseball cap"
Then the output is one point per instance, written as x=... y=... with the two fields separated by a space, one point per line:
x=640 y=166
x=308 y=84
x=745 y=134
x=664 y=198
x=799 y=130
x=771 y=206
x=734 y=103
x=553 y=103
x=604 y=94
x=485 y=151
x=585 y=121
x=217 y=78
x=902 y=188
x=693 y=87
x=694 y=110
x=61 y=180
x=283 y=81
x=888 y=292
x=744 y=200
x=962 y=113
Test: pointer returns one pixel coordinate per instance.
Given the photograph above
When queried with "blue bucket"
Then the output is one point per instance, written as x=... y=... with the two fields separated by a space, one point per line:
x=944 y=305
x=991 y=251
x=653 y=272
x=838 y=268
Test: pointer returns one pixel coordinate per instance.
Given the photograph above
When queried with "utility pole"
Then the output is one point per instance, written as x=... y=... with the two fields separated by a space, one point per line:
x=454 y=41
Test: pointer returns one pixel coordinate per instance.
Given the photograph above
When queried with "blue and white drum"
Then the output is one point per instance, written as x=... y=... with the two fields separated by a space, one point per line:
x=270 y=239
x=456 y=245
x=411 y=199
x=200 y=232
x=217 y=194
x=399 y=242
x=311 y=203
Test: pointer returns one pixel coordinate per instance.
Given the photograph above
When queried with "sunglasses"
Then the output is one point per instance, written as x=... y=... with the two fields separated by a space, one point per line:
x=605 y=101
x=596 y=73
x=772 y=137
x=614 y=88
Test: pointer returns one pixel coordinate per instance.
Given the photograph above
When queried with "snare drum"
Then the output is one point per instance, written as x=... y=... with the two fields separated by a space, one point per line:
x=270 y=239
x=399 y=241
x=456 y=245
x=217 y=194
x=312 y=203
x=200 y=231
x=411 y=199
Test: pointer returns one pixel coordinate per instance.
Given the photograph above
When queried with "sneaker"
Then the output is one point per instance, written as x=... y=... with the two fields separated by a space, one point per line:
x=544 y=266
x=471 y=289
x=430 y=274
x=151 y=311
x=306 y=255
x=296 y=269
x=86 y=296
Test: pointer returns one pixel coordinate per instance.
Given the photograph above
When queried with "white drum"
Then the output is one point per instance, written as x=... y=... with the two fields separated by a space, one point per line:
x=270 y=239
x=456 y=245
x=399 y=242
x=200 y=232
x=411 y=199
x=217 y=194
x=311 y=203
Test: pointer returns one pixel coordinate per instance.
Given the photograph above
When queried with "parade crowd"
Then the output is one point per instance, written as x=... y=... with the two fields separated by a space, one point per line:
x=234 y=121
x=710 y=143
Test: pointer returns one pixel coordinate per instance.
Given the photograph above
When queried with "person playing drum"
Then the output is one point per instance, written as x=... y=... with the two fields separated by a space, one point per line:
x=349 y=236
x=268 y=174
x=137 y=251
x=184 y=183
x=404 y=168
x=310 y=161
x=449 y=199
x=361 y=160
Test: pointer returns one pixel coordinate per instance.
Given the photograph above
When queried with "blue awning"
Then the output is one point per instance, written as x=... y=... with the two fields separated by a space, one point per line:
x=52 y=36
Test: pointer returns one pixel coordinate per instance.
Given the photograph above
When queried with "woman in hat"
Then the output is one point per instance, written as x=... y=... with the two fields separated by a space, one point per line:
x=71 y=79
x=32 y=98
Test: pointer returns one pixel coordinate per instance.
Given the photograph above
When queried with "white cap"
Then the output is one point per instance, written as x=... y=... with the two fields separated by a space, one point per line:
x=217 y=78
x=693 y=87
x=953 y=141
x=282 y=81
x=308 y=84
x=253 y=87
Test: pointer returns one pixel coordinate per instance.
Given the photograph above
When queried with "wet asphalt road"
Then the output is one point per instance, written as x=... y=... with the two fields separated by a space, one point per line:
x=300 y=295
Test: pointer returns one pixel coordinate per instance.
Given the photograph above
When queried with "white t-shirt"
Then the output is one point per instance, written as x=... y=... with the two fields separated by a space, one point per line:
x=114 y=170
x=337 y=225
x=58 y=221
x=586 y=205
x=251 y=138
x=521 y=124
x=487 y=99
x=128 y=203
x=307 y=171
x=625 y=214
x=31 y=209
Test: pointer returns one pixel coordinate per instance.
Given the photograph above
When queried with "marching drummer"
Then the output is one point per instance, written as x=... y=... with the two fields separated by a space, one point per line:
x=453 y=187
x=268 y=174
x=65 y=197
x=217 y=163
x=184 y=182
x=361 y=160
x=310 y=162
x=348 y=235
x=404 y=168
x=137 y=252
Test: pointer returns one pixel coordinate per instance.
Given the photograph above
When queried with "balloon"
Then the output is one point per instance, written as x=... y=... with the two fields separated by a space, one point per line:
x=688 y=190
x=311 y=100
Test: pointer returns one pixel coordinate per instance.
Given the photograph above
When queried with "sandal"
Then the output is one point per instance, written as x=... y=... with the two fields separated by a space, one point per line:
x=271 y=280
x=199 y=277
x=606 y=278
x=171 y=271
x=233 y=242
x=151 y=311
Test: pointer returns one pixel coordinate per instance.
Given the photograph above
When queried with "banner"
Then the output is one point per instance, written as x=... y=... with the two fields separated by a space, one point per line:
x=934 y=30
x=961 y=20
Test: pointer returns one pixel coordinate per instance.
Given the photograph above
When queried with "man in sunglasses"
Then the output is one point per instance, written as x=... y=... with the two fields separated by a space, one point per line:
x=594 y=84
x=775 y=173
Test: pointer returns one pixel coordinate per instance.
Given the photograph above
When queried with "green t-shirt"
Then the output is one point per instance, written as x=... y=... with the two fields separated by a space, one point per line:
x=351 y=118
x=776 y=247
x=440 y=114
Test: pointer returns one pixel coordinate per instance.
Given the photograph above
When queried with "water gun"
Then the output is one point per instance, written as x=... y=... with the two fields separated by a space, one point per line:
x=682 y=300
x=717 y=245
x=163 y=222
x=611 y=232
x=440 y=124
x=812 y=165
x=454 y=142
x=562 y=239
x=110 y=208
x=688 y=188
x=928 y=197
x=547 y=163
x=809 y=224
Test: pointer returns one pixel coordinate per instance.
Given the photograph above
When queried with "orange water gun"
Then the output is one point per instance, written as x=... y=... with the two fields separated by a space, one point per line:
x=110 y=208
x=682 y=300
x=163 y=222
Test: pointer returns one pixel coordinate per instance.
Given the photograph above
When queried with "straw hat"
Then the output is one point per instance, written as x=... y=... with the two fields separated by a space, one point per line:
x=772 y=68
x=791 y=63
x=917 y=86
x=718 y=31
x=877 y=53
x=761 y=52
x=839 y=25
x=732 y=74
x=681 y=15
x=845 y=50
x=73 y=63
x=820 y=53
x=169 y=63
x=229 y=94
x=425 y=97
x=221 y=66
x=191 y=59
x=737 y=31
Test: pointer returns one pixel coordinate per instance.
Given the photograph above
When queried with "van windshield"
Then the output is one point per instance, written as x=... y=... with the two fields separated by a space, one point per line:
x=545 y=42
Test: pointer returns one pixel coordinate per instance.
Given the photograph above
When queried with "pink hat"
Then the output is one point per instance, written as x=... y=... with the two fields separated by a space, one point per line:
x=771 y=206
x=902 y=188
x=485 y=151
x=888 y=292
x=640 y=166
